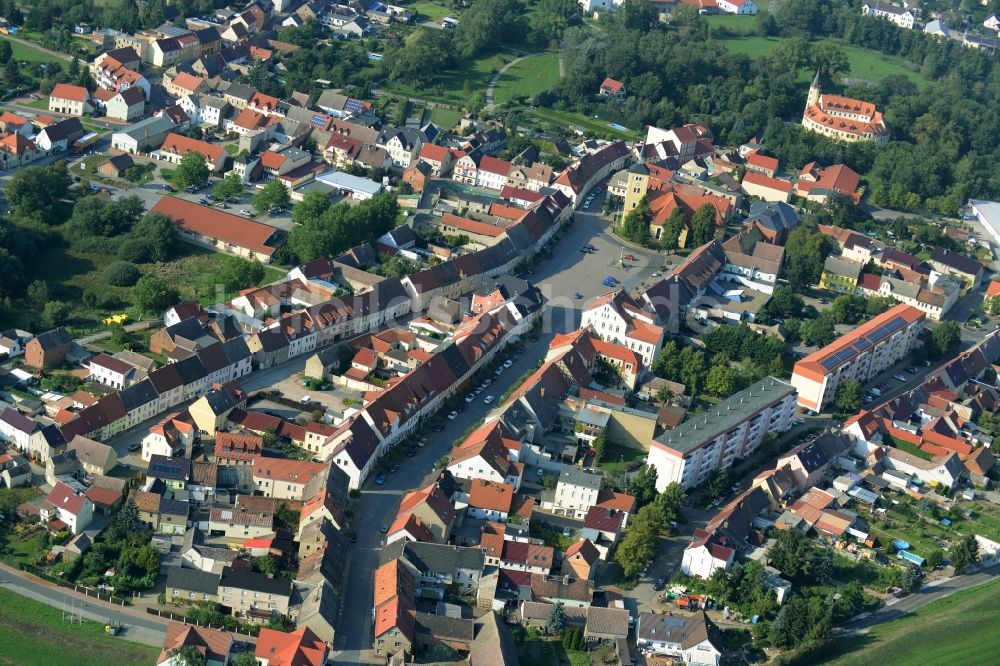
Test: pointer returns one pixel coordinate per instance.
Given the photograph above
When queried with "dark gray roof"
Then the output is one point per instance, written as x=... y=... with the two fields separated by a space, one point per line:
x=442 y=626
x=190 y=369
x=139 y=394
x=194 y=580
x=775 y=215
x=727 y=414
x=578 y=477
x=57 y=337
x=434 y=557
x=245 y=579
x=173 y=469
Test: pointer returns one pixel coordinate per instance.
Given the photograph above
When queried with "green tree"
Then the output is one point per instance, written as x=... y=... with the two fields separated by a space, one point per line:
x=805 y=252
x=229 y=187
x=703 y=225
x=36 y=191
x=964 y=553
x=848 y=397
x=38 y=294
x=934 y=557
x=642 y=485
x=556 y=622
x=848 y=309
x=158 y=236
x=635 y=224
x=664 y=395
x=720 y=380
x=152 y=294
x=555 y=16
x=188 y=655
x=670 y=236
x=55 y=313
x=791 y=554
x=192 y=170
x=819 y=331
x=598 y=445
x=311 y=208
x=121 y=274
x=637 y=547
x=943 y=340
x=273 y=195
x=266 y=564
x=237 y=273
x=245 y=658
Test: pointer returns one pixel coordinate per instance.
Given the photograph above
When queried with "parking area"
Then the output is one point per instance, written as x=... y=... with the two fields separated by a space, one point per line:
x=332 y=397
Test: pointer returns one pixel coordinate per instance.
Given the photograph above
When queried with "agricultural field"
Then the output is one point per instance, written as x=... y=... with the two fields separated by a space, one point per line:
x=34 y=634
x=956 y=630
x=922 y=526
x=430 y=10
x=528 y=78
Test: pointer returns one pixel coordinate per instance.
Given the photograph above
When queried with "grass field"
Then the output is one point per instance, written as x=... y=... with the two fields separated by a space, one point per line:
x=616 y=458
x=30 y=53
x=457 y=85
x=746 y=25
x=431 y=10
x=35 y=634
x=956 y=630
x=579 y=121
x=528 y=78
x=864 y=64
x=446 y=118
x=69 y=273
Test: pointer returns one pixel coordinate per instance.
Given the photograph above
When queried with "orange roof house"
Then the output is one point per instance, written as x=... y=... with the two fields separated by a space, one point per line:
x=301 y=647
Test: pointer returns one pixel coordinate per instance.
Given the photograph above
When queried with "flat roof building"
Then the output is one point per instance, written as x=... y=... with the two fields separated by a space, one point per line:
x=731 y=430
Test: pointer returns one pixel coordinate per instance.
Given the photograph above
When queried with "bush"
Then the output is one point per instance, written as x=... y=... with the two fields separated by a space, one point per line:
x=121 y=274
x=134 y=250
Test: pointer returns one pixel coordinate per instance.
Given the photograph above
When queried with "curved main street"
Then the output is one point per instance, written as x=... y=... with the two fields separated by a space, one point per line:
x=567 y=271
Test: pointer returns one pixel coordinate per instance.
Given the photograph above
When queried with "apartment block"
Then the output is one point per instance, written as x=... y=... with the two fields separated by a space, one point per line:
x=731 y=430
x=859 y=355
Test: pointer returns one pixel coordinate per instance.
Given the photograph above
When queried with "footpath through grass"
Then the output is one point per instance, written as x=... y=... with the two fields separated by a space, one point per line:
x=30 y=53
x=960 y=629
x=528 y=78
x=32 y=633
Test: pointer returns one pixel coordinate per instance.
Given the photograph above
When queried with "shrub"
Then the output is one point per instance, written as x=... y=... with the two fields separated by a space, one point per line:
x=121 y=274
x=135 y=250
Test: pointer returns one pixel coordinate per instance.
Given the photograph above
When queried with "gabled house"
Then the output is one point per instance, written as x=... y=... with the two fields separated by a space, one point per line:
x=69 y=100
x=65 y=508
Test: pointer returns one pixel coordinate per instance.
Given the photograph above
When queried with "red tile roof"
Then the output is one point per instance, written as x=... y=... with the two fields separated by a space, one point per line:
x=490 y=496
x=65 y=498
x=301 y=647
x=181 y=145
x=433 y=152
x=66 y=91
x=754 y=178
x=754 y=158
x=612 y=86
x=187 y=82
x=213 y=223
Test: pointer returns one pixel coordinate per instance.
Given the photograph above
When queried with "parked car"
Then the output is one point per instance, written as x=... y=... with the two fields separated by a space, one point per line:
x=577 y=295
x=509 y=362
x=470 y=397
x=488 y=399
x=659 y=584
x=380 y=479
x=452 y=416
x=900 y=378
x=393 y=469
x=134 y=447
x=540 y=472
x=498 y=371
x=384 y=528
x=628 y=257
x=245 y=212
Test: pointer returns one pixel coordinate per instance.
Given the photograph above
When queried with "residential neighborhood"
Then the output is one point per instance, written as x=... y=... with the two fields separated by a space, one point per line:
x=340 y=332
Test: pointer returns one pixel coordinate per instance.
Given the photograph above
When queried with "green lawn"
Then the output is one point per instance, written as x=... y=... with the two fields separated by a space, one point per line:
x=746 y=25
x=431 y=10
x=863 y=63
x=616 y=458
x=528 y=78
x=30 y=53
x=579 y=121
x=446 y=118
x=35 y=634
x=959 y=629
x=455 y=86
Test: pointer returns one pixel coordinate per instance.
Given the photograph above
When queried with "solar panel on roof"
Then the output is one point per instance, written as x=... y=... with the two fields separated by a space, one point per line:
x=673 y=623
x=354 y=105
x=318 y=120
x=862 y=344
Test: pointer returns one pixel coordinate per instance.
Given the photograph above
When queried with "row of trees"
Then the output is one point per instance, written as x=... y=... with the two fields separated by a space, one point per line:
x=758 y=356
x=655 y=514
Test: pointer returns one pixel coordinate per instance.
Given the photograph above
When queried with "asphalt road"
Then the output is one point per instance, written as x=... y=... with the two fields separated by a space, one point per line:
x=139 y=627
x=567 y=271
x=922 y=597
